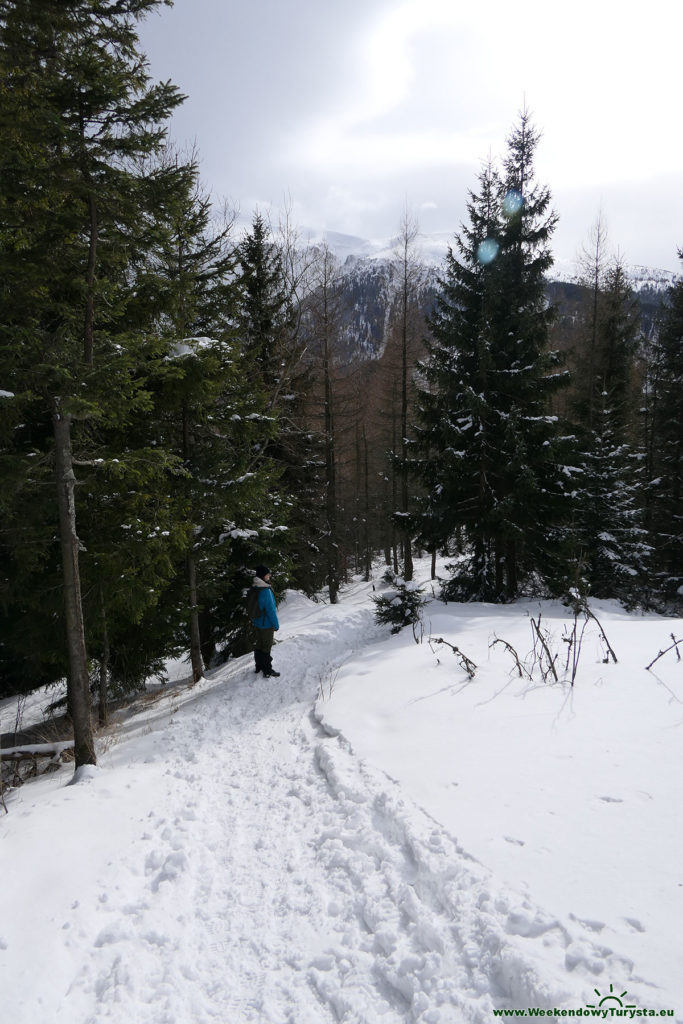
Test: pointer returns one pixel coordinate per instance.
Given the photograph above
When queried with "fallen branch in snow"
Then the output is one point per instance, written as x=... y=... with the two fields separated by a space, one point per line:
x=16 y=758
x=53 y=750
x=466 y=663
x=520 y=668
x=666 y=651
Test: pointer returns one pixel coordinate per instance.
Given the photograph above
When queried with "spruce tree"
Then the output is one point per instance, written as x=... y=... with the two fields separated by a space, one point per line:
x=404 y=320
x=491 y=445
x=266 y=315
x=211 y=417
x=531 y=488
x=664 y=493
x=276 y=282
x=610 y=545
x=79 y=117
x=455 y=413
x=322 y=331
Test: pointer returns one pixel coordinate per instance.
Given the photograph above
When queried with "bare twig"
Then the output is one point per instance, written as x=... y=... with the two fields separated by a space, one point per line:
x=522 y=671
x=466 y=663
x=578 y=645
x=21 y=701
x=666 y=651
x=589 y=615
x=544 y=645
x=570 y=641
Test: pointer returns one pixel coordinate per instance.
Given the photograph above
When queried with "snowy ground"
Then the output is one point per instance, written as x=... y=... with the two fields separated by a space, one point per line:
x=372 y=839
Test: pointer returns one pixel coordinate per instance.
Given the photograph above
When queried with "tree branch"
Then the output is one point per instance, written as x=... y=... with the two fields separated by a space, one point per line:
x=466 y=663
x=666 y=651
x=522 y=671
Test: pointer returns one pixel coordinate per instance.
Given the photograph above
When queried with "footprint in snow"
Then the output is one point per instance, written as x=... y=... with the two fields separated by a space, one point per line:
x=593 y=926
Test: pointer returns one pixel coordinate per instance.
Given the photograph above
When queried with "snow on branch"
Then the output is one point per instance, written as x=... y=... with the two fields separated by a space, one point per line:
x=53 y=750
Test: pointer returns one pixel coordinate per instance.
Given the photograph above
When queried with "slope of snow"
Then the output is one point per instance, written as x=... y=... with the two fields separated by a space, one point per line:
x=362 y=840
x=570 y=795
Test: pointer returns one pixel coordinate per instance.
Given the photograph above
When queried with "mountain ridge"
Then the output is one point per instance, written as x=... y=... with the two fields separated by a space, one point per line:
x=369 y=269
x=431 y=250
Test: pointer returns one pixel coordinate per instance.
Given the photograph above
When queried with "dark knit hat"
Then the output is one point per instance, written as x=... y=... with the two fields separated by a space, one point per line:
x=262 y=571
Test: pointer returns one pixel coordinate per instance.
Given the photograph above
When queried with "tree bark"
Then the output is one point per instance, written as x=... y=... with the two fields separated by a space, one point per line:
x=394 y=485
x=511 y=568
x=104 y=664
x=78 y=681
x=331 y=474
x=89 y=328
x=367 y=554
x=196 y=659
x=195 y=637
x=326 y=326
x=407 y=548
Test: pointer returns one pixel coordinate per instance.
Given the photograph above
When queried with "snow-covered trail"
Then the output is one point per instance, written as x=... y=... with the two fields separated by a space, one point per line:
x=231 y=861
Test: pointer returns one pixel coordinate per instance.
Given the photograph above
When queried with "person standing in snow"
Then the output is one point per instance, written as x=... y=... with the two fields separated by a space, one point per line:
x=265 y=623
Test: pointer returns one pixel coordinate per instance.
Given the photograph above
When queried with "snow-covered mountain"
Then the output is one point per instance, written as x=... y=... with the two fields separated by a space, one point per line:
x=353 y=251
x=370 y=271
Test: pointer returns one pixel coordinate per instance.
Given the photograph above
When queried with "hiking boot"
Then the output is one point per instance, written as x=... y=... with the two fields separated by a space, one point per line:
x=270 y=673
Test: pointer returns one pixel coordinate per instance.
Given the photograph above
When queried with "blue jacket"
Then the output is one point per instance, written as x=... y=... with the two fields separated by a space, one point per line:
x=266 y=602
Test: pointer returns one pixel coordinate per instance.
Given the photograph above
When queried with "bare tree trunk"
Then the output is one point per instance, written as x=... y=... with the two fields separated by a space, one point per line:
x=78 y=681
x=89 y=326
x=104 y=664
x=89 y=319
x=195 y=638
x=196 y=659
x=511 y=568
x=326 y=313
x=331 y=474
x=500 y=562
x=408 y=235
x=394 y=491
x=366 y=531
x=592 y=264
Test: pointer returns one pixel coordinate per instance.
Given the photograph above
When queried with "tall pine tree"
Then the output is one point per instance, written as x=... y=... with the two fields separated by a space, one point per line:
x=609 y=542
x=491 y=443
x=664 y=494
x=79 y=116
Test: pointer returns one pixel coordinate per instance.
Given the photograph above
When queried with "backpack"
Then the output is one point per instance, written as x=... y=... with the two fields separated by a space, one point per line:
x=253 y=610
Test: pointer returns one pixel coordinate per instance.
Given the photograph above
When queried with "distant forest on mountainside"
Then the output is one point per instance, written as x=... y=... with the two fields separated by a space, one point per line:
x=179 y=402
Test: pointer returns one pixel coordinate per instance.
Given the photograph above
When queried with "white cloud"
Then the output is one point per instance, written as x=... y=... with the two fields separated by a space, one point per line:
x=354 y=107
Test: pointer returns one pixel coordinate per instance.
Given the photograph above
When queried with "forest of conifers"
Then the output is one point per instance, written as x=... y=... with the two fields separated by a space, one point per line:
x=180 y=401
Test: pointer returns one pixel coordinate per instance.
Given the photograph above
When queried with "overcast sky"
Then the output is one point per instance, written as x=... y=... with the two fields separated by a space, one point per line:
x=353 y=107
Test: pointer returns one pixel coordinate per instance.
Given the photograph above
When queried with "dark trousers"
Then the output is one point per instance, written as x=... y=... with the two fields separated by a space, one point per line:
x=263 y=644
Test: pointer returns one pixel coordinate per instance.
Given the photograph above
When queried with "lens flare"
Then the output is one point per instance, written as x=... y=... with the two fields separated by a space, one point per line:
x=487 y=251
x=513 y=203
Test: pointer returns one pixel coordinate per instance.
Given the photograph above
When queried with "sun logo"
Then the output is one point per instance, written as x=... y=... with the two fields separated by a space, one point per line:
x=610 y=998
